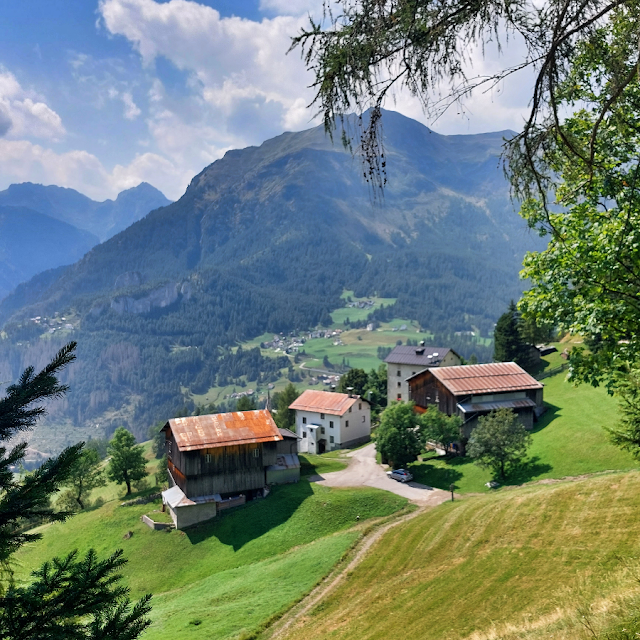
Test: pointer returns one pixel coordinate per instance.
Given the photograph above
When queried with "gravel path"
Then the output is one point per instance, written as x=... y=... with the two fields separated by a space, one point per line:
x=363 y=471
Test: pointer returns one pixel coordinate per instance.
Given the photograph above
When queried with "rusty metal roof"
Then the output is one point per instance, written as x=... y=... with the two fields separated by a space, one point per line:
x=336 y=404
x=420 y=356
x=495 y=377
x=486 y=407
x=224 y=430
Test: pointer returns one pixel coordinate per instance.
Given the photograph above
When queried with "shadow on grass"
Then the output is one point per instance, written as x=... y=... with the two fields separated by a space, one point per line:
x=241 y=525
x=546 y=418
x=441 y=477
x=528 y=470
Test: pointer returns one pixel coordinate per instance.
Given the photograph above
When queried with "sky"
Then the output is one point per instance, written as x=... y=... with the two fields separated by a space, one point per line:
x=100 y=95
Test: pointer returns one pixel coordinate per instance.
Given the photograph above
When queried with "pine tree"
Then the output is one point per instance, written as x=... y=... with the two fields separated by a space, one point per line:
x=71 y=597
x=509 y=345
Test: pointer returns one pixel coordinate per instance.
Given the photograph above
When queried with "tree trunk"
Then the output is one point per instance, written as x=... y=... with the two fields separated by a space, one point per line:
x=128 y=486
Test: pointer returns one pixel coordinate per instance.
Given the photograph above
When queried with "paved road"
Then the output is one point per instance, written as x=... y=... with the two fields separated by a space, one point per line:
x=363 y=471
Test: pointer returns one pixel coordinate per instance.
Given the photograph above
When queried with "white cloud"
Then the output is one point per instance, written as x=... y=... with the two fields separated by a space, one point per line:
x=23 y=114
x=292 y=7
x=21 y=160
x=232 y=61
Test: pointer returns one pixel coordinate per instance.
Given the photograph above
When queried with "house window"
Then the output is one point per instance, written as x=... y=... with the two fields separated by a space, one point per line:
x=359 y=406
x=399 y=374
x=321 y=429
x=304 y=421
x=413 y=373
x=399 y=383
x=256 y=453
x=208 y=458
x=399 y=396
x=346 y=424
x=330 y=424
x=349 y=409
x=304 y=434
x=322 y=416
x=331 y=439
x=362 y=418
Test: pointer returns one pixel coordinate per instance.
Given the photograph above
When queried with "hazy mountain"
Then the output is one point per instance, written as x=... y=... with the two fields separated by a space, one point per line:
x=102 y=219
x=31 y=242
x=266 y=239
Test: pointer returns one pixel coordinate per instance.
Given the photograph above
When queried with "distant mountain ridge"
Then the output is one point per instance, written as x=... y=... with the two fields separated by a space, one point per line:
x=102 y=219
x=266 y=239
x=44 y=227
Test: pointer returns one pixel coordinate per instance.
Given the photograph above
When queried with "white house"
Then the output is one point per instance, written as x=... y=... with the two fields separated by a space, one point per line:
x=405 y=362
x=326 y=421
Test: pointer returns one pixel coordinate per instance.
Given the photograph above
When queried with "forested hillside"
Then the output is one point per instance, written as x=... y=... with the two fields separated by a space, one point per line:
x=267 y=239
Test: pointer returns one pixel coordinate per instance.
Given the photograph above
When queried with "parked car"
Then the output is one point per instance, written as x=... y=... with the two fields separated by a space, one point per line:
x=400 y=475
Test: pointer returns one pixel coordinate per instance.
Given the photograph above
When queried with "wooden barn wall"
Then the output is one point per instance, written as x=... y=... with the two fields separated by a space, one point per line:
x=425 y=389
x=288 y=445
x=231 y=469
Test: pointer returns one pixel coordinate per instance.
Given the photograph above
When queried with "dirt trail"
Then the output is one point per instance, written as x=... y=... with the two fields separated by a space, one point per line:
x=334 y=579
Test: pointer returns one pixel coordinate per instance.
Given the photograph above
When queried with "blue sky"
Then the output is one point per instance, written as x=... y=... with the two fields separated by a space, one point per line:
x=99 y=95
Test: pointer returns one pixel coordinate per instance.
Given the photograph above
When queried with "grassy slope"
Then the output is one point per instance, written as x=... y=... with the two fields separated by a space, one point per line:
x=568 y=441
x=235 y=555
x=509 y=565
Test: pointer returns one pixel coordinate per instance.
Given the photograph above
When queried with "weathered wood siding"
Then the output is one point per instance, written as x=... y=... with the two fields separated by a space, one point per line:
x=426 y=390
x=221 y=470
x=287 y=445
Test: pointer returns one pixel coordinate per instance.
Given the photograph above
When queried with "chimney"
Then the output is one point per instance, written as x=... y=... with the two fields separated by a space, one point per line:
x=420 y=351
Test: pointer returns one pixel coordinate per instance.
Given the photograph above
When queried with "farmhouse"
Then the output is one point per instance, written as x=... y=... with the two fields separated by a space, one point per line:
x=404 y=362
x=222 y=460
x=327 y=420
x=475 y=390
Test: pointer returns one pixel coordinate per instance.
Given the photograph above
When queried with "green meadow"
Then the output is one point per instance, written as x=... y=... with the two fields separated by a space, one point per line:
x=228 y=577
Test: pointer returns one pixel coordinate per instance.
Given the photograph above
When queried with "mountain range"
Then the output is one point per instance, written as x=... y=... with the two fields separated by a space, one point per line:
x=266 y=239
x=43 y=227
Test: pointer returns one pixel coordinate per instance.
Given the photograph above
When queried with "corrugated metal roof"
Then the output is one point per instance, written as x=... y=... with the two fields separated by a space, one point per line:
x=485 y=378
x=431 y=356
x=336 y=404
x=224 y=430
x=485 y=407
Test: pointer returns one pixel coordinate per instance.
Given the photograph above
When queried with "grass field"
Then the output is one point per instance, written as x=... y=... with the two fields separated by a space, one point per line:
x=525 y=563
x=569 y=440
x=219 y=573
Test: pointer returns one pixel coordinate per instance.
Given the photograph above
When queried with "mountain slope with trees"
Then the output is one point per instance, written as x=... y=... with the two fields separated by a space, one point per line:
x=266 y=239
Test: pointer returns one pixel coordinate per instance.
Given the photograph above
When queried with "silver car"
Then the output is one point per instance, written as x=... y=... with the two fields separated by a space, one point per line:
x=400 y=475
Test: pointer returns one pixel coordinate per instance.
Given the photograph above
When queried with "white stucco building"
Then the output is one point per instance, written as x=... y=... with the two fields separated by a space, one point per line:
x=405 y=362
x=326 y=421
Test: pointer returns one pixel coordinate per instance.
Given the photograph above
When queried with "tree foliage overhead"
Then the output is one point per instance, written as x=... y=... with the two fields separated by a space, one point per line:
x=588 y=279
x=363 y=51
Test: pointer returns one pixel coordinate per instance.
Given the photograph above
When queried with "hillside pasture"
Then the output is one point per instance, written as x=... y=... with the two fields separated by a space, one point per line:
x=218 y=573
x=529 y=563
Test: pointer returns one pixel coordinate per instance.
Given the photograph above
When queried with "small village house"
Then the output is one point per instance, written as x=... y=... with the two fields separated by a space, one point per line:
x=327 y=420
x=474 y=390
x=404 y=362
x=222 y=460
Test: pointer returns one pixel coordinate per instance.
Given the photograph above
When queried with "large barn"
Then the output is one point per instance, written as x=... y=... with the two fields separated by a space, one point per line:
x=474 y=390
x=224 y=459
